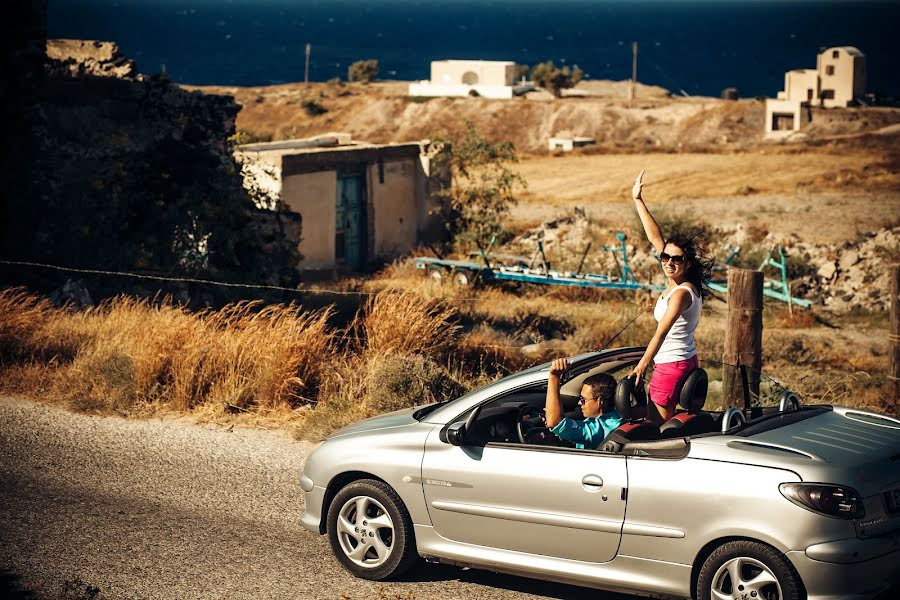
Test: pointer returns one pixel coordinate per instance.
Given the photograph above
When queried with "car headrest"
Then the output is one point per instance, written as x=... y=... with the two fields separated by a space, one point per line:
x=693 y=392
x=627 y=396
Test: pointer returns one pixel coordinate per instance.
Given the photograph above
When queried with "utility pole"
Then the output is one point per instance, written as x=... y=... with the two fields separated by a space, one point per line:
x=306 y=70
x=633 y=71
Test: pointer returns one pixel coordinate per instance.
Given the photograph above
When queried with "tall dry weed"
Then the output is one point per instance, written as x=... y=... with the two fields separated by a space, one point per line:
x=22 y=316
x=245 y=355
x=129 y=355
x=404 y=322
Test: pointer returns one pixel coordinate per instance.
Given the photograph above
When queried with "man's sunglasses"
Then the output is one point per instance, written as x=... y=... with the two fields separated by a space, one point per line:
x=676 y=258
x=582 y=400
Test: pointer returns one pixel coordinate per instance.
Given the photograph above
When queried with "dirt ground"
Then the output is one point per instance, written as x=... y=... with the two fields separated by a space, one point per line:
x=815 y=195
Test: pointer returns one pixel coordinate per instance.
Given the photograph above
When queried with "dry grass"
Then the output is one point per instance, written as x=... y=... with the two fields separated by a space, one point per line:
x=281 y=366
x=404 y=322
x=131 y=356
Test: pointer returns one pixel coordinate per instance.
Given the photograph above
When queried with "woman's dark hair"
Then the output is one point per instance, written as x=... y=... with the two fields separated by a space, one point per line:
x=700 y=269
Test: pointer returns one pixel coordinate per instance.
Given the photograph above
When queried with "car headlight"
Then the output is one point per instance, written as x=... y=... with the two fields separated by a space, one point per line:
x=838 y=501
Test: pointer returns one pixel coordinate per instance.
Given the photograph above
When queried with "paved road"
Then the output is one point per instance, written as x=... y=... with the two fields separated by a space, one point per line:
x=170 y=509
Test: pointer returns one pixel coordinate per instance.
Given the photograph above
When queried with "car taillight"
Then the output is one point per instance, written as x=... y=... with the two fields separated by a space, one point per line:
x=837 y=501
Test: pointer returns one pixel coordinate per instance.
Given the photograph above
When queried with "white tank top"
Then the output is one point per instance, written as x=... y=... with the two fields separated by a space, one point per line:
x=679 y=342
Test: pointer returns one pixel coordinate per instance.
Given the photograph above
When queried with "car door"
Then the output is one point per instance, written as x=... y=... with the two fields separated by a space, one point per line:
x=557 y=502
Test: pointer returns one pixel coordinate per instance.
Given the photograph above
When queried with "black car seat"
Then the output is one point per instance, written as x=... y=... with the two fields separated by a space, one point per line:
x=692 y=398
x=631 y=404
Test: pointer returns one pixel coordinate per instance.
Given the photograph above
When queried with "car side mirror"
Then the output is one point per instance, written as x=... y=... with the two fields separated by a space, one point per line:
x=456 y=434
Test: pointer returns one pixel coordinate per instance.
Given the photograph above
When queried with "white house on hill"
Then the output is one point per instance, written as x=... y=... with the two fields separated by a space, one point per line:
x=488 y=78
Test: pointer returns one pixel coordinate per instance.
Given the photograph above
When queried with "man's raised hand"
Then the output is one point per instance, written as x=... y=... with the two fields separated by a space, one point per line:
x=559 y=366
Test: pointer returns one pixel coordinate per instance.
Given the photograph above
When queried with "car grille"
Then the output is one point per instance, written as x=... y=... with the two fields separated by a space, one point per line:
x=892 y=500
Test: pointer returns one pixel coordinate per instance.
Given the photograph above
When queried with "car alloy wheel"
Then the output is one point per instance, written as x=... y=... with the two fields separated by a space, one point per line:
x=747 y=570
x=365 y=531
x=370 y=531
x=744 y=576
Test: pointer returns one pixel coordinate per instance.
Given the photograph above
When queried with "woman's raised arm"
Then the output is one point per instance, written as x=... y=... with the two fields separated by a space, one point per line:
x=651 y=227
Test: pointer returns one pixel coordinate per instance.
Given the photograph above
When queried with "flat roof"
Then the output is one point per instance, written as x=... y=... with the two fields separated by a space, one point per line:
x=309 y=160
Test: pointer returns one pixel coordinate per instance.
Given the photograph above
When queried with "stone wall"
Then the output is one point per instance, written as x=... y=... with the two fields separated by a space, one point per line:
x=121 y=171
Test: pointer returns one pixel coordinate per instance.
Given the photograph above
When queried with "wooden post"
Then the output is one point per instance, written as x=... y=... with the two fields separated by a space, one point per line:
x=743 y=334
x=894 y=337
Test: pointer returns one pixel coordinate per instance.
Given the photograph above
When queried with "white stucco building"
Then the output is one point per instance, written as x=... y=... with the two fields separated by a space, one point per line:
x=488 y=78
x=362 y=204
x=839 y=80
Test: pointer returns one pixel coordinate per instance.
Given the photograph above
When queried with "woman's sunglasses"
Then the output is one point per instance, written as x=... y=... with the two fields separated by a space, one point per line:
x=676 y=258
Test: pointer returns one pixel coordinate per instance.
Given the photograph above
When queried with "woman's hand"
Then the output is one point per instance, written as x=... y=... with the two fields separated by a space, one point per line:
x=638 y=186
x=638 y=372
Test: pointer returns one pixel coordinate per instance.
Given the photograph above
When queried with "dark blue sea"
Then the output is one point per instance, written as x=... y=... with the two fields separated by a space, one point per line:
x=699 y=46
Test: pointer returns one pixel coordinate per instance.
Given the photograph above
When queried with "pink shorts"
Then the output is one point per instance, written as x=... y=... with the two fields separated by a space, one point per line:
x=665 y=385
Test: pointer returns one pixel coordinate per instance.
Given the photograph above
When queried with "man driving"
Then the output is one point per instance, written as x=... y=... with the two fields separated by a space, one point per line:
x=597 y=402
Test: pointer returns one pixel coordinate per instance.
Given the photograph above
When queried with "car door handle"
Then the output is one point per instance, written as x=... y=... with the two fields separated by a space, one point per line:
x=592 y=483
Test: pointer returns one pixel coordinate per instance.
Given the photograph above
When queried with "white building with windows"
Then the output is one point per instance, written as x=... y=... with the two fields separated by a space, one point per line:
x=839 y=80
x=487 y=78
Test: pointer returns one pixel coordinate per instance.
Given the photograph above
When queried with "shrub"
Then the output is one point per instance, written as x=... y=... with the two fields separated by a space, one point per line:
x=483 y=189
x=313 y=108
x=551 y=78
x=363 y=71
x=400 y=381
x=474 y=93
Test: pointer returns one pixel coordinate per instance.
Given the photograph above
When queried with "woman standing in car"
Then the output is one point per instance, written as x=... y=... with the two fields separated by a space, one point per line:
x=677 y=312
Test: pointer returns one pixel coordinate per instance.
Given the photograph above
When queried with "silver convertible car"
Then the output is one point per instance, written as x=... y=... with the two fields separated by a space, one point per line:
x=770 y=499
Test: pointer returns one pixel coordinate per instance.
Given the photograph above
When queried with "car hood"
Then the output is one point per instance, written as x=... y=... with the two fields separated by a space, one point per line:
x=843 y=446
x=398 y=418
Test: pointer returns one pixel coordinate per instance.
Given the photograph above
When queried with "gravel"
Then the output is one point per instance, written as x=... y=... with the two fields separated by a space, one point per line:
x=172 y=509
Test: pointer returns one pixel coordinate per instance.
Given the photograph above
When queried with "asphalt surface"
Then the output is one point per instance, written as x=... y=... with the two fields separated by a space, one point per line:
x=104 y=507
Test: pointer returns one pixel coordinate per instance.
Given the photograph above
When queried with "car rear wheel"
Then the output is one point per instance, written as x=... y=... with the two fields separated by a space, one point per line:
x=745 y=570
x=370 y=531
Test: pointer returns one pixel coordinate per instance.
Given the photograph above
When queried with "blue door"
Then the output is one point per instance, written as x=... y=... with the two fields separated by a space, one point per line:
x=350 y=230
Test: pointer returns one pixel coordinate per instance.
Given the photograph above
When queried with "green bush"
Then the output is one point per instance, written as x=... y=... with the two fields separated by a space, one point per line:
x=477 y=205
x=313 y=108
x=552 y=78
x=363 y=71
x=400 y=381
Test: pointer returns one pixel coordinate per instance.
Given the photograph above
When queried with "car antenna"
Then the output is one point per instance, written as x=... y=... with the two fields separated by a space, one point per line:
x=627 y=325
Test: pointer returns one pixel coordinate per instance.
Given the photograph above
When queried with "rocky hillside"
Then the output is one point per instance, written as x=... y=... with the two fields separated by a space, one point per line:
x=655 y=122
x=849 y=276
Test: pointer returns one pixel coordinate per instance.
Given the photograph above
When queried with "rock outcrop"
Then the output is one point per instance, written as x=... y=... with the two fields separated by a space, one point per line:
x=80 y=58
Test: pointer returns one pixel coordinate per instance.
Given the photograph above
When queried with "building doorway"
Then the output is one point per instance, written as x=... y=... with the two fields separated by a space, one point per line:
x=350 y=230
x=782 y=122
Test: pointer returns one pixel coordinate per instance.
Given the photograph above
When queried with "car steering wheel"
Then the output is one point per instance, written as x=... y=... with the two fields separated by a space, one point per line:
x=530 y=423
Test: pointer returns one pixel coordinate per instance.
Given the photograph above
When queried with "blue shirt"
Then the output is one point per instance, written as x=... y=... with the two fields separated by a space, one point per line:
x=588 y=433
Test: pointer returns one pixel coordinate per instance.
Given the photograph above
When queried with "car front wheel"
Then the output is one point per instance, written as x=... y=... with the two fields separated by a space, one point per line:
x=748 y=570
x=370 y=531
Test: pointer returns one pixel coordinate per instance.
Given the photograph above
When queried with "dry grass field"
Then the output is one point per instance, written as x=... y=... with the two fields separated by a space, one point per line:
x=817 y=196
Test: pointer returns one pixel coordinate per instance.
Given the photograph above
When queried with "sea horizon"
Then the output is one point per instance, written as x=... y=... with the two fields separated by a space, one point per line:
x=698 y=47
